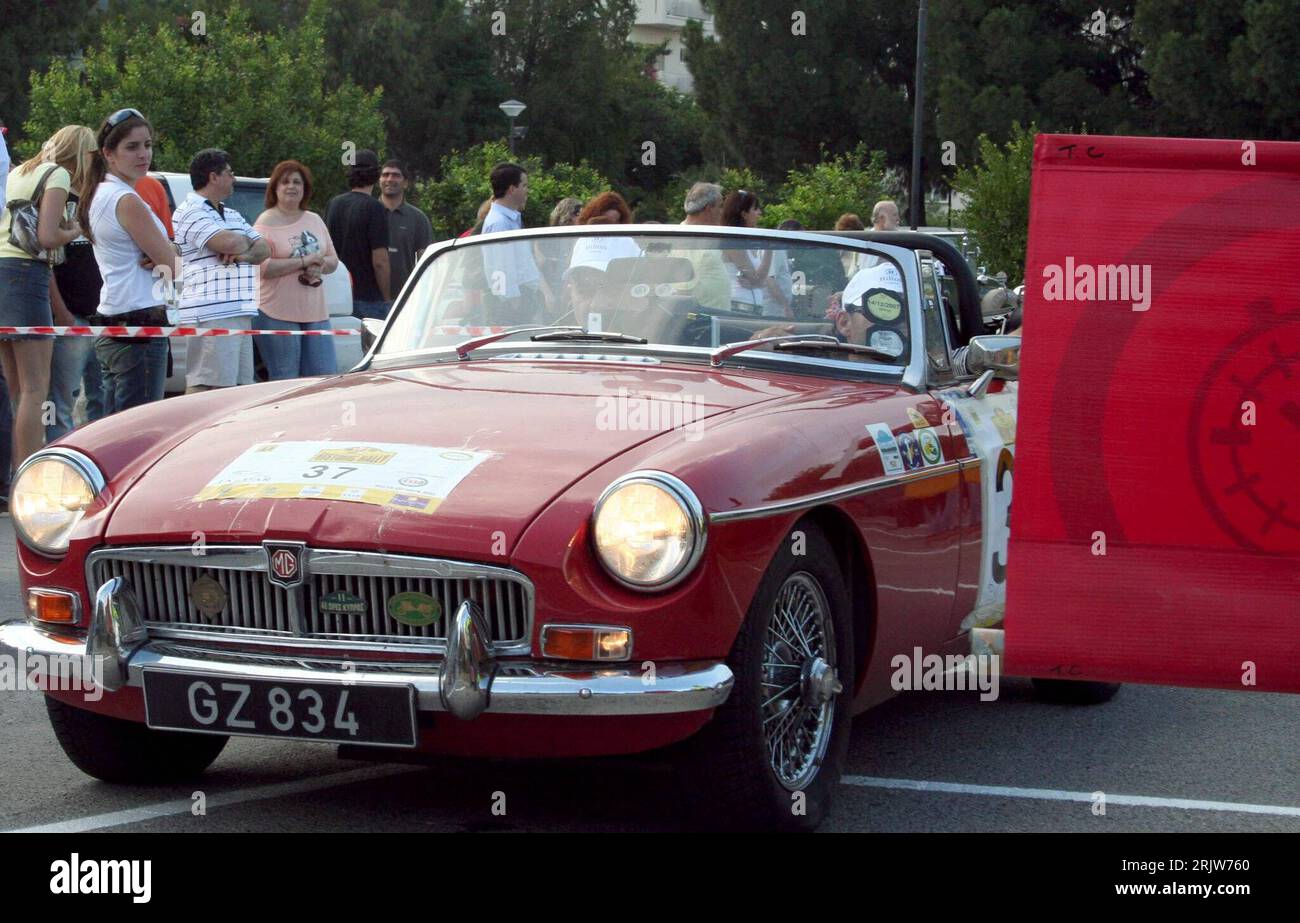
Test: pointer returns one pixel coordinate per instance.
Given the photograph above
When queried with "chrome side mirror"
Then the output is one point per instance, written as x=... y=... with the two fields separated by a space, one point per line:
x=998 y=354
x=371 y=327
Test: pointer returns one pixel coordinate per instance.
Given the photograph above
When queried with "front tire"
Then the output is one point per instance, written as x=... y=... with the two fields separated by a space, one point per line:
x=129 y=753
x=772 y=755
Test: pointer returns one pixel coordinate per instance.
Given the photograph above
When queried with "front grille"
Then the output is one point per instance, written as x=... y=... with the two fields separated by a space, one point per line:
x=255 y=607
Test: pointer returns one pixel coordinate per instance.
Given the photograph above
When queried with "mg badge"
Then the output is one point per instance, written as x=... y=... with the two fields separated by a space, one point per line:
x=207 y=595
x=285 y=563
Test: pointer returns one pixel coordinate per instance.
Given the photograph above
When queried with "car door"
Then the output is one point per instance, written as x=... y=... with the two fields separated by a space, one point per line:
x=980 y=424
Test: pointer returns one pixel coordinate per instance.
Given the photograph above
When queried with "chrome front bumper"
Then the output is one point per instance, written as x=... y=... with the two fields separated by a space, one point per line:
x=467 y=682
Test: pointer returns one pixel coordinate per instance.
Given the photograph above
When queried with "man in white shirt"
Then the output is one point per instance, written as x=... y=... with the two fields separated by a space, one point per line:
x=218 y=251
x=510 y=269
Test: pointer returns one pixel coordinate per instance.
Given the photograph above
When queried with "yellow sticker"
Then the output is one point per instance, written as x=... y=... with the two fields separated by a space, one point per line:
x=918 y=419
x=1006 y=424
x=361 y=455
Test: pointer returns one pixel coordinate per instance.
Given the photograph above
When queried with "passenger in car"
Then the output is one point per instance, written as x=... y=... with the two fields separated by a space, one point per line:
x=711 y=287
x=596 y=252
x=850 y=260
x=753 y=283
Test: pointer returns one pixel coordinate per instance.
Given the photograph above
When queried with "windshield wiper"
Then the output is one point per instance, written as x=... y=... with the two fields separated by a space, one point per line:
x=463 y=349
x=727 y=350
x=807 y=343
x=593 y=336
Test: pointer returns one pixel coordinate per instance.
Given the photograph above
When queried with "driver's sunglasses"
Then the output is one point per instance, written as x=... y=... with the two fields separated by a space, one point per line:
x=121 y=115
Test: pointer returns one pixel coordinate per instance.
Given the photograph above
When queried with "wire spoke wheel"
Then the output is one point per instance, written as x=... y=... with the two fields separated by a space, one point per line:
x=800 y=681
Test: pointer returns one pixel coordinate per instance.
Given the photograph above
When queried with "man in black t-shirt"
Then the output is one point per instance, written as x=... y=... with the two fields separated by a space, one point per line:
x=74 y=296
x=358 y=225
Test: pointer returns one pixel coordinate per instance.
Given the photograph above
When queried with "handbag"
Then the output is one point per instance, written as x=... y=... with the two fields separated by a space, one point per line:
x=24 y=214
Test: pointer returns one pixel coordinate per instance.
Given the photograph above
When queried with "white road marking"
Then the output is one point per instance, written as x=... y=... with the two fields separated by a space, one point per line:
x=1051 y=794
x=217 y=800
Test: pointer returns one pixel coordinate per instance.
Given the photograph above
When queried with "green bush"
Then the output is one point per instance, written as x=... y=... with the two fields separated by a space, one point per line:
x=259 y=96
x=666 y=204
x=998 y=211
x=452 y=201
x=816 y=195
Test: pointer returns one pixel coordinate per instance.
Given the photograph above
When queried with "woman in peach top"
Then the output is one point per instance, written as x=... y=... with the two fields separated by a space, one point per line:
x=289 y=293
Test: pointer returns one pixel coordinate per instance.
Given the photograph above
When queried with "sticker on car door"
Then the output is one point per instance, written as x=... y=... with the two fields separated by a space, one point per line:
x=989 y=422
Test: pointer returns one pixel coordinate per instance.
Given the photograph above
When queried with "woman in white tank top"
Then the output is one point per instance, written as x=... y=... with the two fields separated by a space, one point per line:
x=129 y=241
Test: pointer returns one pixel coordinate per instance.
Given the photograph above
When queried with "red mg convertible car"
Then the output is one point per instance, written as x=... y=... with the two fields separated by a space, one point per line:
x=591 y=491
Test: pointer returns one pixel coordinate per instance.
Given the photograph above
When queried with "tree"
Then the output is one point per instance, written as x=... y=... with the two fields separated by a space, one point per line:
x=262 y=97
x=434 y=66
x=428 y=57
x=665 y=204
x=452 y=201
x=818 y=194
x=34 y=34
x=784 y=84
x=587 y=89
x=998 y=212
x=1224 y=69
x=995 y=63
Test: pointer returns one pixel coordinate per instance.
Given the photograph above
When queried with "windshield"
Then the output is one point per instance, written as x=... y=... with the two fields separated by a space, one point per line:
x=675 y=290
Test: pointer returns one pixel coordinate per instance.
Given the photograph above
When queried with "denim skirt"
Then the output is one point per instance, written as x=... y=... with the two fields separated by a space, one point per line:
x=25 y=297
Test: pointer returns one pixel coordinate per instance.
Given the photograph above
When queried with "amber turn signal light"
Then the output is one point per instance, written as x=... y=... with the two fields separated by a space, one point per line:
x=586 y=642
x=52 y=606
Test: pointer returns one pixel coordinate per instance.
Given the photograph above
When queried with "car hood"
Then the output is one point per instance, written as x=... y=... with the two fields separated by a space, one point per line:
x=535 y=426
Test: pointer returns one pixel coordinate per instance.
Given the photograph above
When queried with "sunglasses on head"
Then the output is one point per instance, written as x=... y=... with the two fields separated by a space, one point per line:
x=121 y=115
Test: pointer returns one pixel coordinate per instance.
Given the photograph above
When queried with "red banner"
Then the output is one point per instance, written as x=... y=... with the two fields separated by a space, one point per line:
x=1155 y=530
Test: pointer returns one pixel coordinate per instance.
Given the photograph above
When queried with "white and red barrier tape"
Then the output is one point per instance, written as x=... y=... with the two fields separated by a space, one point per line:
x=219 y=332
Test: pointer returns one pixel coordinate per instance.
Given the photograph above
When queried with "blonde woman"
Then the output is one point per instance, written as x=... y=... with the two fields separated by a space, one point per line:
x=25 y=279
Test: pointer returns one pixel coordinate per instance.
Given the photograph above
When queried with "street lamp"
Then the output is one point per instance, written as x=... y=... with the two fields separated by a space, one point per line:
x=512 y=108
x=916 y=208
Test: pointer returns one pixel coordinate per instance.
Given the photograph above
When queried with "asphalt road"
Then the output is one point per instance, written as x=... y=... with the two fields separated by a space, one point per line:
x=1168 y=760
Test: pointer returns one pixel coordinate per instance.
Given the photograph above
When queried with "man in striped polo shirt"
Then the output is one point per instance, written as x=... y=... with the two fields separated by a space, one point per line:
x=218 y=251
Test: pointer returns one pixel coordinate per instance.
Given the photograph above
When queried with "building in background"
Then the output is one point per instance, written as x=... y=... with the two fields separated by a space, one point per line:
x=658 y=21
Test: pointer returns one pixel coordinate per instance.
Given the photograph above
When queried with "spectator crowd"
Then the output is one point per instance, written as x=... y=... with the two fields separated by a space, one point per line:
x=88 y=238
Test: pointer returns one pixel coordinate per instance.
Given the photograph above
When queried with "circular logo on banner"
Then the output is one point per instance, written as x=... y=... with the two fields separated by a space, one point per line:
x=413 y=482
x=1240 y=466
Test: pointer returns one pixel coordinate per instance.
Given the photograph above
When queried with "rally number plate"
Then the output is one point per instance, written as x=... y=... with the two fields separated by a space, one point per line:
x=334 y=712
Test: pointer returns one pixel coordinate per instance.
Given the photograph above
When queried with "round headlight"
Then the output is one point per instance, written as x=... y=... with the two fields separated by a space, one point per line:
x=648 y=530
x=50 y=494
